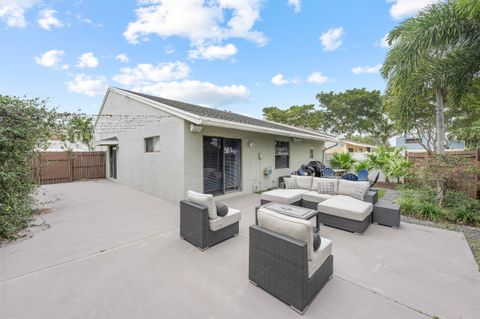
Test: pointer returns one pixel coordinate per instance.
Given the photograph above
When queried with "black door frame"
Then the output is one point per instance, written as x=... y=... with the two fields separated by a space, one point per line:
x=112 y=155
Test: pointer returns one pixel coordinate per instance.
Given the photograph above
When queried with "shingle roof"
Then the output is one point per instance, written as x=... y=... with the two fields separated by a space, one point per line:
x=226 y=115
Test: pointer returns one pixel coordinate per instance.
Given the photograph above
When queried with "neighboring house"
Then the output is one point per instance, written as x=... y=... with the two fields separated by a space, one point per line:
x=413 y=144
x=166 y=147
x=349 y=146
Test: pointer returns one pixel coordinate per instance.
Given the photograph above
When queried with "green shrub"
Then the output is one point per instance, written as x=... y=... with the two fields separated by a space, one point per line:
x=25 y=125
x=466 y=215
x=342 y=160
x=456 y=199
x=430 y=211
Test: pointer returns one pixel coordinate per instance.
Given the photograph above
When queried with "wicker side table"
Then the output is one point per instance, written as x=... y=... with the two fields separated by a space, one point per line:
x=386 y=214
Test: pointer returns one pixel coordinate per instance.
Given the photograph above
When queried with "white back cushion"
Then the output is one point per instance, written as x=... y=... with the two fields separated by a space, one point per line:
x=316 y=181
x=205 y=200
x=304 y=182
x=347 y=187
x=293 y=227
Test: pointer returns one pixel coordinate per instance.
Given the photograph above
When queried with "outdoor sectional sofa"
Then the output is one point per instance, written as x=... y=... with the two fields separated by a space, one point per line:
x=339 y=210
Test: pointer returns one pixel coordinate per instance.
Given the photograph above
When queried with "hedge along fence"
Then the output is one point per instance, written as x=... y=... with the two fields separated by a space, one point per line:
x=64 y=167
x=469 y=185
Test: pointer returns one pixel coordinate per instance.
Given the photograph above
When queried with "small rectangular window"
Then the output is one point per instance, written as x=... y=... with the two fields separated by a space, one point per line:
x=312 y=153
x=350 y=150
x=282 y=156
x=152 y=144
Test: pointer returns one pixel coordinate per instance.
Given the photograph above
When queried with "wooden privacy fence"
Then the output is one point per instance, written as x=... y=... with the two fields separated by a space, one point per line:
x=63 y=167
x=470 y=185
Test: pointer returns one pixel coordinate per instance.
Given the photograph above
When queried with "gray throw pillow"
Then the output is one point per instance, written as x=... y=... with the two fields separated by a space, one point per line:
x=222 y=209
x=317 y=241
x=326 y=187
x=359 y=191
x=290 y=183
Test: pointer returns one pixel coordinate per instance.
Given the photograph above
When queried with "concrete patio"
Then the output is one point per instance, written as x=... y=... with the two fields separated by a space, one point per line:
x=114 y=252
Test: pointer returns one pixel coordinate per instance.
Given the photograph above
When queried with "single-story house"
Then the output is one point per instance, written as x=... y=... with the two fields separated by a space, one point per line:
x=349 y=146
x=165 y=147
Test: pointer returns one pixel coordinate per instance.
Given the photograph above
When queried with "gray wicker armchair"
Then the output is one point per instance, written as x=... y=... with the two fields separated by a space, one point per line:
x=279 y=265
x=195 y=226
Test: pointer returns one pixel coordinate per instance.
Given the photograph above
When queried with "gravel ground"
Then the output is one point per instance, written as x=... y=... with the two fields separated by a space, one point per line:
x=472 y=234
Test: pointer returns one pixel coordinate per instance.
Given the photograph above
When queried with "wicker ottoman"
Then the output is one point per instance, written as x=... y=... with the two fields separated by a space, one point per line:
x=386 y=214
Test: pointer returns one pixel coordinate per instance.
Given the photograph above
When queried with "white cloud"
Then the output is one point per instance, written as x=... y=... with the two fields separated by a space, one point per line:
x=65 y=67
x=383 y=42
x=213 y=52
x=317 y=78
x=47 y=19
x=122 y=57
x=84 y=84
x=202 y=22
x=332 y=39
x=367 y=69
x=12 y=12
x=87 y=60
x=279 y=79
x=197 y=92
x=50 y=58
x=146 y=74
x=407 y=8
x=296 y=4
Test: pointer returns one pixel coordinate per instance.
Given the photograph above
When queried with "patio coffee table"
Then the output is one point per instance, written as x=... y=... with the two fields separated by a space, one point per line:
x=292 y=211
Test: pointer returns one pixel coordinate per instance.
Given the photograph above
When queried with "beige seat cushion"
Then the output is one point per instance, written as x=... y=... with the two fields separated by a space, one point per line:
x=303 y=182
x=347 y=187
x=292 y=227
x=231 y=218
x=346 y=207
x=314 y=196
x=285 y=196
x=317 y=180
x=319 y=256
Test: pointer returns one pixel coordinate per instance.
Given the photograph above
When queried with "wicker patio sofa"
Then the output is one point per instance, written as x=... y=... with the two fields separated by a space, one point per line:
x=339 y=210
x=201 y=226
x=282 y=260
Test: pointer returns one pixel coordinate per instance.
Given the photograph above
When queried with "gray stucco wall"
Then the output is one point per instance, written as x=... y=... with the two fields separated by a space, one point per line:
x=253 y=178
x=178 y=167
x=159 y=174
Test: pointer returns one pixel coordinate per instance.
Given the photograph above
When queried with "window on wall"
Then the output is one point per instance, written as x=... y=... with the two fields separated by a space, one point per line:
x=282 y=155
x=350 y=150
x=412 y=140
x=311 y=153
x=152 y=144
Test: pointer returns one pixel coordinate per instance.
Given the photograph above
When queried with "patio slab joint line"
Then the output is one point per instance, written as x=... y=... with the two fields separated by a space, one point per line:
x=101 y=251
x=386 y=297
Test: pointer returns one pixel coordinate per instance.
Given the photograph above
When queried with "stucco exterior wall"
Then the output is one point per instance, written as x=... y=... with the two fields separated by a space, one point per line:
x=253 y=178
x=160 y=173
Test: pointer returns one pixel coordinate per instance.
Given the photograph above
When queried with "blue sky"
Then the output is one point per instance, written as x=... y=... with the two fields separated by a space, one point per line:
x=240 y=55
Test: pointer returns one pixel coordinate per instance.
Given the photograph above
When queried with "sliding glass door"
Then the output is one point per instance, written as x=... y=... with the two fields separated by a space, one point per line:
x=221 y=165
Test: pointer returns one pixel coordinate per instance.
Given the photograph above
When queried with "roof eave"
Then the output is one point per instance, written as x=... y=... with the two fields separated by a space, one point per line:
x=265 y=130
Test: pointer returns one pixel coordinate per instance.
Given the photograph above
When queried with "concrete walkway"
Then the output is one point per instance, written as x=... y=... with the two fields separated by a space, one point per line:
x=113 y=252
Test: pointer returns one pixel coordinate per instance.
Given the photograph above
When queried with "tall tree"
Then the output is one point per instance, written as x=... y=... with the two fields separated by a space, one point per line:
x=297 y=115
x=437 y=50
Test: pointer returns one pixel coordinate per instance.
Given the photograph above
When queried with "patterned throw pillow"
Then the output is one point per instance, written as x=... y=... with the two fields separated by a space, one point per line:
x=290 y=183
x=359 y=191
x=326 y=187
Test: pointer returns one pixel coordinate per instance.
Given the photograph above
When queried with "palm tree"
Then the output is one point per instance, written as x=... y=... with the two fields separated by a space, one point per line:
x=437 y=50
x=80 y=129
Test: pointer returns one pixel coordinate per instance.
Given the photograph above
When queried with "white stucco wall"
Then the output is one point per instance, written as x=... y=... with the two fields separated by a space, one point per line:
x=160 y=174
x=252 y=167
